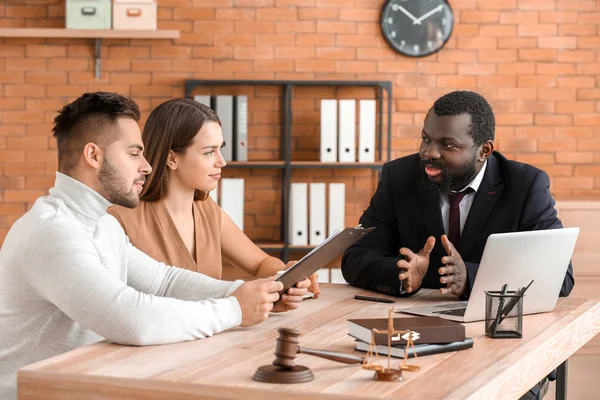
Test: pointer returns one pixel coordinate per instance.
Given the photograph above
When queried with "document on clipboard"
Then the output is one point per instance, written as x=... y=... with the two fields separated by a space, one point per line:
x=318 y=257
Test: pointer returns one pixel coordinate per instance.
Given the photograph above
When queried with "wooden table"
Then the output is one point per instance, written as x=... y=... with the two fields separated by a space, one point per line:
x=221 y=367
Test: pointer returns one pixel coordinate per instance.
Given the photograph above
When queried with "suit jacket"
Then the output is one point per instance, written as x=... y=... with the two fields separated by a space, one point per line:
x=405 y=210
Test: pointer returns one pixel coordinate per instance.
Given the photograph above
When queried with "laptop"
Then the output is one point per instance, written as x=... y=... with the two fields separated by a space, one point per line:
x=515 y=258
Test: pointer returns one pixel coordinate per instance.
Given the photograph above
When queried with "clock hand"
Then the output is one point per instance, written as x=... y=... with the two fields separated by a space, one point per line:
x=409 y=15
x=422 y=17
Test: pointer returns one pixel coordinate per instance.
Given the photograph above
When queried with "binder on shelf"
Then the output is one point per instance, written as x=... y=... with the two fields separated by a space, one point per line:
x=240 y=128
x=224 y=109
x=232 y=199
x=337 y=276
x=328 y=130
x=337 y=207
x=366 y=131
x=214 y=194
x=317 y=214
x=323 y=275
x=203 y=99
x=298 y=234
x=347 y=130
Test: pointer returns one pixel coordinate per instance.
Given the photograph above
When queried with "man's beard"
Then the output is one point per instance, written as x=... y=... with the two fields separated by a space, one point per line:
x=451 y=182
x=114 y=186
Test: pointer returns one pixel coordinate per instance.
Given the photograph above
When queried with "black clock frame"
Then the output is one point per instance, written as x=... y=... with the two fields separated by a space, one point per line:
x=395 y=45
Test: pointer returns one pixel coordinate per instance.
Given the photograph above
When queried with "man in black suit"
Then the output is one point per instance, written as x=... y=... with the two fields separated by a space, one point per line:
x=417 y=201
x=456 y=187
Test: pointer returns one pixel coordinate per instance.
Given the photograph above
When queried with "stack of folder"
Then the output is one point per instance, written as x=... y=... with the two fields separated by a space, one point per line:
x=338 y=130
x=430 y=335
x=233 y=113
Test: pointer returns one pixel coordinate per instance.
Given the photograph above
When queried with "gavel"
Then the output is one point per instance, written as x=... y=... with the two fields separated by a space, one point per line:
x=283 y=369
x=287 y=349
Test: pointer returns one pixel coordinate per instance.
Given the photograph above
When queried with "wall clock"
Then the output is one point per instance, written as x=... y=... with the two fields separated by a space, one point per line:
x=416 y=28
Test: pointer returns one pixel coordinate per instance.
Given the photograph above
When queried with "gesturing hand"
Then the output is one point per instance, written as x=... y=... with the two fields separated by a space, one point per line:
x=415 y=266
x=454 y=271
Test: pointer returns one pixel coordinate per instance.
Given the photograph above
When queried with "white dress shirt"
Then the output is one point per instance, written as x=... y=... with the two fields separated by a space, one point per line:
x=465 y=204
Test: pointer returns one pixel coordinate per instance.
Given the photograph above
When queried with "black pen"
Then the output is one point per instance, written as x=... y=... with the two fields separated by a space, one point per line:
x=497 y=320
x=515 y=298
x=377 y=299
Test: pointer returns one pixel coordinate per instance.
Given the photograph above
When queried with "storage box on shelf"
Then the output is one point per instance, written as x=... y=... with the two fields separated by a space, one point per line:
x=88 y=14
x=134 y=14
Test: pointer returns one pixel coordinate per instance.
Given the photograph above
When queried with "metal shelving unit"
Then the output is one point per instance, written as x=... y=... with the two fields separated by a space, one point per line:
x=382 y=87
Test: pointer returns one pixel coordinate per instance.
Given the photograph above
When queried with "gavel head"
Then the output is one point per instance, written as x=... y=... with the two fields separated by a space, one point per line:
x=286 y=348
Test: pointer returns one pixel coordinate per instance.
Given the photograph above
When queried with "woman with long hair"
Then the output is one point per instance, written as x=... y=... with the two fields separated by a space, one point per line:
x=177 y=222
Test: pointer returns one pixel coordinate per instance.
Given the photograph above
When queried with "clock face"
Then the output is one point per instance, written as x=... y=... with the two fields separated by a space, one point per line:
x=416 y=28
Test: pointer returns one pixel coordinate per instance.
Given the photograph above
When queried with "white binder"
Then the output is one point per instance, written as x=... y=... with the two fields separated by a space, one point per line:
x=203 y=99
x=214 y=194
x=328 y=130
x=347 y=131
x=366 y=131
x=298 y=232
x=337 y=276
x=316 y=224
x=240 y=131
x=232 y=199
x=323 y=275
x=224 y=109
x=337 y=207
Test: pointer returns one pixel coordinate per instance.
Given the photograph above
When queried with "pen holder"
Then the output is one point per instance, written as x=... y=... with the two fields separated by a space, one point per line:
x=503 y=315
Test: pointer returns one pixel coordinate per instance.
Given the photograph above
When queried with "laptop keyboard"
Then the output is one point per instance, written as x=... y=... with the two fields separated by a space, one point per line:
x=459 y=312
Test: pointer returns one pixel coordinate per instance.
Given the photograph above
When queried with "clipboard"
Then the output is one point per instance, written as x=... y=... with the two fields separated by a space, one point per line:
x=321 y=255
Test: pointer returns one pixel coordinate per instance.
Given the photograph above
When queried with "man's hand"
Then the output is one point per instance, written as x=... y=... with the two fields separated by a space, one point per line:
x=415 y=267
x=454 y=271
x=256 y=299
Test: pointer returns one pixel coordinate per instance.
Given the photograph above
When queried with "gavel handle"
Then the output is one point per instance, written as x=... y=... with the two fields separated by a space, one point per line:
x=333 y=356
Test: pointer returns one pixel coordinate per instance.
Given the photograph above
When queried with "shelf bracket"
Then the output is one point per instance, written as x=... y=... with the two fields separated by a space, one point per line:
x=98 y=57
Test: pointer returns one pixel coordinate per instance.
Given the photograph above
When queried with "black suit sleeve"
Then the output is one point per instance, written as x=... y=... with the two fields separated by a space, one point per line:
x=538 y=213
x=371 y=262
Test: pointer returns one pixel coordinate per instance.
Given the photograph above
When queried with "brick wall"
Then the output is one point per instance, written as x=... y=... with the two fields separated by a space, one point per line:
x=537 y=61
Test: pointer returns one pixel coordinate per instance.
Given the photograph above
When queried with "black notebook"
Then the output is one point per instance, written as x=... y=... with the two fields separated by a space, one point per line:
x=420 y=349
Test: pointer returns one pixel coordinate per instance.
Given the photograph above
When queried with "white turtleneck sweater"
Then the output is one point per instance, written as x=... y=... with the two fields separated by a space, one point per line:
x=69 y=277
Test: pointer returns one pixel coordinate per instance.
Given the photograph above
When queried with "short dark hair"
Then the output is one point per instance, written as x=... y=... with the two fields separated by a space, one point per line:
x=85 y=120
x=483 y=123
x=172 y=125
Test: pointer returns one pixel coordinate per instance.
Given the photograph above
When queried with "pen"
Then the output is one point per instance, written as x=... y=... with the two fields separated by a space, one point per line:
x=497 y=320
x=377 y=299
x=507 y=308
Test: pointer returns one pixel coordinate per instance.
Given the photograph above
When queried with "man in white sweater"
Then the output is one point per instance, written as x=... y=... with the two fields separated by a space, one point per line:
x=68 y=274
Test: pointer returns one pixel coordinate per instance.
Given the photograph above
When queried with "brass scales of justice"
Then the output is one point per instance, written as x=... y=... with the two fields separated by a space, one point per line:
x=372 y=363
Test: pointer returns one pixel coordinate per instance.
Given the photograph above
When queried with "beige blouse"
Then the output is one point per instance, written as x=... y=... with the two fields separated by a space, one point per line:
x=150 y=228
